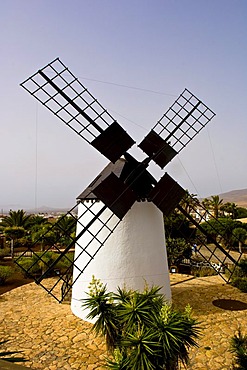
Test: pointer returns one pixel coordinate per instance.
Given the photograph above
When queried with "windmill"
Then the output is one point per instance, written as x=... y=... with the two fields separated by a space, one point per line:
x=123 y=208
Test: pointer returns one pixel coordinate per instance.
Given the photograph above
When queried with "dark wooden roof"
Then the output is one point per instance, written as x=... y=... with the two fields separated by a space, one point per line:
x=122 y=183
x=115 y=168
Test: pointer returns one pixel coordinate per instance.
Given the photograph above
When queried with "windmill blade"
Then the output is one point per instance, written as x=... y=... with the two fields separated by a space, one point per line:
x=58 y=262
x=62 y=93
x=177 y=127
x=210 y=246
x=166 y=194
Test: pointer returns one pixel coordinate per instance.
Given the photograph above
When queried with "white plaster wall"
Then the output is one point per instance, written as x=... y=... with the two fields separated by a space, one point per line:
x=134 y=255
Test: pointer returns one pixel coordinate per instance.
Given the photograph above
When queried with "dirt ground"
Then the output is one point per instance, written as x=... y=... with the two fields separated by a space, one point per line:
x=13 y=283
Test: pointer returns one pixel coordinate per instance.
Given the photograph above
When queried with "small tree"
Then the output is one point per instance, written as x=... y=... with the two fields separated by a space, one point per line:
x=142 y=331
x=177 y=250
x=14 y=233
x=45 y=235
x=240 y=235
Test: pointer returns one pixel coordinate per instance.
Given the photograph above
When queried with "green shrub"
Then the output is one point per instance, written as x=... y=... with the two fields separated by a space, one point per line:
x=243 y=266
x=4 y=252
x=239 y=276
x=31 y=266
x=23 y=242
x=240 y=270
x=238 y=273
x=5 y=273
x=240 y=283
x=65 y=262
x=26 y=268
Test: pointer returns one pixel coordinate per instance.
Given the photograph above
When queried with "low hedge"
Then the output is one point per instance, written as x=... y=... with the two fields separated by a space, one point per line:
x=4 y=252
x=239 y=277
x=32 y=266
x=5 y=273
x=240 y=283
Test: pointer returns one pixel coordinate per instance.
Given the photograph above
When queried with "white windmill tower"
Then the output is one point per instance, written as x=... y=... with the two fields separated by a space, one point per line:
x=135 y=253
x=120 y=231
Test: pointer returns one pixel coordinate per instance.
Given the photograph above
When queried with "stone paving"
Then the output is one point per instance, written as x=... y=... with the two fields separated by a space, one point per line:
x=218 y=325
x=52 y=338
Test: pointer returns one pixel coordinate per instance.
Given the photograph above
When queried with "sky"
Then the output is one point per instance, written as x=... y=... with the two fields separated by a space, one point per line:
x=135 y=57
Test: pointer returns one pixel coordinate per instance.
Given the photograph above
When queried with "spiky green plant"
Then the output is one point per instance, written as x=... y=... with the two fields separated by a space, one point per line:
x=142 y=331
x=239 y=348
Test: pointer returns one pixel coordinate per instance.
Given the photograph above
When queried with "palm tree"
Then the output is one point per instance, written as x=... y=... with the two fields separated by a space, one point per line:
x=215 y=204
x=45 y=235
x=66 y=224
x=36 y=221
x=59 y=233
x=230 y=208
x=15 y=225
x=17 y=218
x=142 y=331
x=65 y=228
x=189 y=201
x=206 y=203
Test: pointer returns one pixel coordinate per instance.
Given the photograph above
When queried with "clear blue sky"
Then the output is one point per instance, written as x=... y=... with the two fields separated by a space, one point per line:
x=160 y=46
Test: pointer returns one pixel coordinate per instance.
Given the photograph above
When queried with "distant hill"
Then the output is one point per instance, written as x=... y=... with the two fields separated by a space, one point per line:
x=45 y=209
x=238 y=197
x=41 y=210
x=235 y=196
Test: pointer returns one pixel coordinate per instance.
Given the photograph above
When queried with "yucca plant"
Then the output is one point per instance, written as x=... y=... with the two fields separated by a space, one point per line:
x=4 y=355
x=102 y=309
x=239 y=348
x=142 y=331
